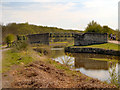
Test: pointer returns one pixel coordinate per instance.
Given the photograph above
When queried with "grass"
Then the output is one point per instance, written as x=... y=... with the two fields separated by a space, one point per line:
x=104 y=59
x=58 y=42
x=109 y=46
x=11 y=58
x=57 y=65
x=22 y=54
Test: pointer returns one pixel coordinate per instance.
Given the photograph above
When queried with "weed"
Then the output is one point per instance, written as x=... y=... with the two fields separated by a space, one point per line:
x=113 y=73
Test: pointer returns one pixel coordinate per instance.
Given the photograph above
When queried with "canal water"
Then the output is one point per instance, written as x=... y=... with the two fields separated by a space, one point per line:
x=102 y=67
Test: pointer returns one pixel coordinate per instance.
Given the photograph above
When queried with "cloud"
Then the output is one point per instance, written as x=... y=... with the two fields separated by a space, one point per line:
x=42 y=0
x=73 y=15
x=53 y=13
x=0 y=13
x=100 y=3
x=119 y=16
x=103 y=11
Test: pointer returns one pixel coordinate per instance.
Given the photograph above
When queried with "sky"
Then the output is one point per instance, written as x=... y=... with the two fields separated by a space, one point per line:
x=66 y=14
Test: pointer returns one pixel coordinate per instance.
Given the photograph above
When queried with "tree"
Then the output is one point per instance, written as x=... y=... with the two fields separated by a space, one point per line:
x=9 y=39
x=93 y=27
x=106 y=29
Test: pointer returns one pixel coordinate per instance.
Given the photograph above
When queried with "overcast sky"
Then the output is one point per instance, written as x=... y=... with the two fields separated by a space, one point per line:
x=67 y=14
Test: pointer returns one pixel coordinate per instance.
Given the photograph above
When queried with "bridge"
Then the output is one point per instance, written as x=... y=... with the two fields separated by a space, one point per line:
x=45 y=38
x=79 y=38
x=61 y=34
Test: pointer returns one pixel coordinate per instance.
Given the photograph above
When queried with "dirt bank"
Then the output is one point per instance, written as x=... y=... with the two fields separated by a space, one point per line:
x=40 y=74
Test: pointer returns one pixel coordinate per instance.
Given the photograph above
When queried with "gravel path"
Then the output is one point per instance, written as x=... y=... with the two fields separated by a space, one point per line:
x=112 y=41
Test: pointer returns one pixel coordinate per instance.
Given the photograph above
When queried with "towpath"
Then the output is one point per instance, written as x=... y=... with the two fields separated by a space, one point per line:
x=112 y=41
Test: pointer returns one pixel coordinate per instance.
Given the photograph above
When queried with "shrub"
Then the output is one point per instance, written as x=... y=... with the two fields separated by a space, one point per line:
x=9 y=39
x=21 y=45
x=93 y=27
x=43 y=49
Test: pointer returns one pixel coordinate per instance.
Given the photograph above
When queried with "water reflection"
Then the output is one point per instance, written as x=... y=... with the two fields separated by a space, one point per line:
x=100 y=69
x=57 y=52
x=67 y=60
x=86 y=63
x=102 y=75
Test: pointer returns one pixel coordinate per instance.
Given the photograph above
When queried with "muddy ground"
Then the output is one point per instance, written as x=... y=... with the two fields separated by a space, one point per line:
x=43 y=75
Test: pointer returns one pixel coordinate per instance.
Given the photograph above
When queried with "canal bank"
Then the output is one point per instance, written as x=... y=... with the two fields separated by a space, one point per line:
x=92 y=50
x=41 y=72
x=98 y=66
x=47 y=73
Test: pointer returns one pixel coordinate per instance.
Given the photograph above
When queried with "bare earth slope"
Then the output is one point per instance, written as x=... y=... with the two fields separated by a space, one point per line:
x=43 y=75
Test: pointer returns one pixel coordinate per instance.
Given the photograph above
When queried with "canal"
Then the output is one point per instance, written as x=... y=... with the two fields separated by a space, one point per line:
x=102 y=67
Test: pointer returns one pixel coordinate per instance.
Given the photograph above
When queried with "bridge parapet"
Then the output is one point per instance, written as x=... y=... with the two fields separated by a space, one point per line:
x=61 y=34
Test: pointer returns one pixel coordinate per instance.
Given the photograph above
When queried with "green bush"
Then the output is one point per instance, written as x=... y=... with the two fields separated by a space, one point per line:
x=93 y=27
x=43 y=50
x=21 y=45
x=9 y=39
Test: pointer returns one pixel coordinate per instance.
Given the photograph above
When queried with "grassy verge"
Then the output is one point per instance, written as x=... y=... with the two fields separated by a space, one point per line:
x=109 y=46
x=11 y=58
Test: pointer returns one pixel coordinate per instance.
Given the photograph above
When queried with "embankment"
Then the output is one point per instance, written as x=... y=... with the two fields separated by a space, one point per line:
x=42 y=72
